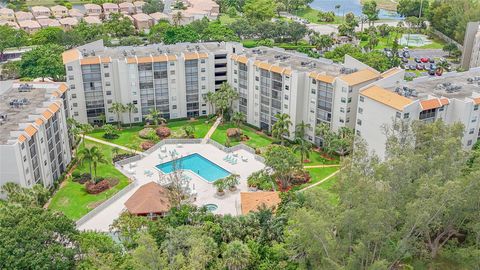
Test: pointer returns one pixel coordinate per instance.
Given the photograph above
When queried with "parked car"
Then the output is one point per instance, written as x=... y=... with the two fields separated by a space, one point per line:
x=405 y=60
x=406 y=54
x=431 y=72
x=432 y=60
x=412 y=67
x=433 y=66
x=417 y=60
x=424 y=59
x=420 y=67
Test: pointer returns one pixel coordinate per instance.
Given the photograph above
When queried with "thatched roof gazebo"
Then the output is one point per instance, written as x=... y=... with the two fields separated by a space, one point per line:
x=149 y=200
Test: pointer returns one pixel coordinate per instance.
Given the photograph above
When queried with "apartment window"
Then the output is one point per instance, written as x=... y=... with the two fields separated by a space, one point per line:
x=287 y=77
x=398 y=114
x=69 y=68
x=342 y=110
x=341 y=120
x=313 y=91
x=475 y=107
x=23 y=146
x=74 y=95
x=202 y=61
x=469 y=142
x=109 y=101
x=75 y=104
x=204 y=87
x=235 y=80
x=359 y=122
x=107 y=75
x=135 y=102
x=343 y=100
x=287 y=87
x=70 y=77
x=350 y=89
x=360 y=110
x=75 y=113
x=474 y=119
x=174 y=107
x=344 y=90
x=72 y=86
x=312 y=111
x=107 y=83
x=257 y=78
x=358 y=132
x=235 y=71
x=24 y=159
x=203 y=78
x=349 y=99
x=105 y=65
x=173 y=81
x=285 y=106
x=172 y=64
x=204 y=112
x=361 y=99
x=471 y=131
x=441 y=109
x=348 y=120
x=286 y=97
x=406 y=115
x=202 y=70
x=136 y=119
x=256 y=87
x=109 y=93
x=314 y=81
x=348 y=109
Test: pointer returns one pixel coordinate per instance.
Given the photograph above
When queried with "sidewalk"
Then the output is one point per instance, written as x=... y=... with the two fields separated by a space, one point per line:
x=212 y=130
x=113 y=145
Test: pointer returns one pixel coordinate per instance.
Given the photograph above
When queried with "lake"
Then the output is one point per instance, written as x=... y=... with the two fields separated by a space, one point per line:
x=346 y=6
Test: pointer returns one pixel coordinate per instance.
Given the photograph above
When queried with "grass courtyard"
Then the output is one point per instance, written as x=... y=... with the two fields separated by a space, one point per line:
x=72 y=198
x=256 y=139
x=128 y=137
x=317 y=175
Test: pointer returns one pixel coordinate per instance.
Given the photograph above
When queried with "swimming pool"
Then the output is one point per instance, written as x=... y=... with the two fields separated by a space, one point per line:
x=197 y=164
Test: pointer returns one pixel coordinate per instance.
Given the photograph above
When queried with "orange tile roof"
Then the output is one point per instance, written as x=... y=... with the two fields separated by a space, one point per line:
x=171 y=57
x=444 y=101
x=263 y=65
x=430 y=104
x=277 y=69
x=160 y=58
x=251 y=201
x=62 y=88
x=476 y=101
x=56 y=94
x=131 y=60
x=39 y=122
x=360 y=77
x=322 y=77
x=70 y=56
x=287 y=71
x=191 y=56
x=47 y=114
x=90 y=61
x=386 y=97
x=145 y=59
x=106 y=60
x=53 y=107
x=30 y=130
x=391 y=72
x=202 y=55
x=242 y=59
x=22 y=138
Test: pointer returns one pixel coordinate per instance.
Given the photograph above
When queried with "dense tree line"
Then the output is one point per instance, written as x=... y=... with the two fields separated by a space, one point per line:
x=419 y=208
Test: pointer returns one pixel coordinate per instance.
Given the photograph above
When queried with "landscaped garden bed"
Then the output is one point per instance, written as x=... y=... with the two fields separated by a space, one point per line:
x=73 y=199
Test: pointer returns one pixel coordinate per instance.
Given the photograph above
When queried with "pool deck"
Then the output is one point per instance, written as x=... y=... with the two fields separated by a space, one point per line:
x=206 y=192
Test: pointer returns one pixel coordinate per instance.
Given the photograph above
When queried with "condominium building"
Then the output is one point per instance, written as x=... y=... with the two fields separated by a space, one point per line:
x=471 y=46
x=172 y=79
x=34 y=143
x=385 y=104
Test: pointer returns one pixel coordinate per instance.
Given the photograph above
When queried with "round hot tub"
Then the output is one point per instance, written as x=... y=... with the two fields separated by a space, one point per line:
x=211 y=207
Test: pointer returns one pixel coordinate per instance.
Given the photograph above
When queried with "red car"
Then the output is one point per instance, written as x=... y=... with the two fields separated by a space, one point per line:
x=424 y=59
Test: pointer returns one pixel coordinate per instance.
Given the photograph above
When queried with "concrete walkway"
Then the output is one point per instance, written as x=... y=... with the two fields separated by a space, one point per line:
x=321 y=166
x=320 y=182
x=212 y=130
x=113 y=145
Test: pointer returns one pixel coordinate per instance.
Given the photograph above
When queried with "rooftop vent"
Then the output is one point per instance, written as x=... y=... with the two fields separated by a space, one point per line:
x=125 y=53
x=25 y=87
x=406 y=91
x=92 y=53
x=17 y=103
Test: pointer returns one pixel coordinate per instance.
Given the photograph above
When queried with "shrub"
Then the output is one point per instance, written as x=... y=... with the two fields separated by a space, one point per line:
x=147 y=133
x=261 y=180
x=81 y=178
x=163 y=132
x=147 y=145
x=234 y=132
x=300 y=177
x=95 y=188
x=112 y=182
x=122 y=157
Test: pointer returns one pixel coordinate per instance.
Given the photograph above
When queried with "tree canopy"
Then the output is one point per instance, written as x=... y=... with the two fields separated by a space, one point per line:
x=44 y=61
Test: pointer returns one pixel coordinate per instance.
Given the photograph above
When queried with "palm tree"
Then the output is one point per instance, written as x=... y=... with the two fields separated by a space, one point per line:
x=238 y=118
x=224 y=98
x=73 y=130
x=303 y=147
x=281 y=128
x=323 y=130
x=118 y=108
x=236 y=255
x=93 y=156
x=209 y=98
x=154 y=116
x=130 y=107
x=84 y=129
x=321 y=42
x=177 y=18
x=301 y=129
x=115 y=152
x=103 y=118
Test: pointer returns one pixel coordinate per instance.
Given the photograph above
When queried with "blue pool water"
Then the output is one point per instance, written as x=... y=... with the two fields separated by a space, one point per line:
x=197 y=164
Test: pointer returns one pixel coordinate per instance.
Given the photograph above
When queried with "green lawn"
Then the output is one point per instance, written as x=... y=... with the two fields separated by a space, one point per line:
x=256 y=140
x=126 y=137
x=129 y=136
x=317 y=174
x=73 y=200
x=312 y=15
x=316 y=158
x=226 y=19
x=328 y=186
x=387 y=42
